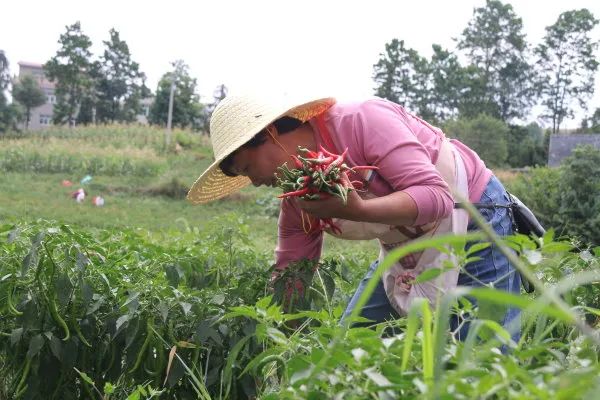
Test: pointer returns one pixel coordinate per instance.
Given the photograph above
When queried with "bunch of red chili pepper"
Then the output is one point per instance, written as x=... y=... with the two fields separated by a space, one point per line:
x=318 y=175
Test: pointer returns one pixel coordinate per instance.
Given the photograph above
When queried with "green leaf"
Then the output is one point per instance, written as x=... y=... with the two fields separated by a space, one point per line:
x=81 y=261
x=56 y=347
x=133 y=296
x=241 y=311
x=163 y=309
x=109 y=388
x=186 y=307
x=174 y=274
x=503 y=298
x=478 y=247
x=120 y=323
x=134 y=396
x=35 y=345
x=276 y=350
x=557 y=247
x=231 y=358
x=377 y=377
x=277 y=336
x=218 y=299
x=16 y=335
x=63 y=289
x=204 y=330
x=84 y=376
x=428 y=275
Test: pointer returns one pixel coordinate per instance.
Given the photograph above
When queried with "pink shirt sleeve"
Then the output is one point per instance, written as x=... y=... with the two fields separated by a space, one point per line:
x=384 y=132
x=293 y=244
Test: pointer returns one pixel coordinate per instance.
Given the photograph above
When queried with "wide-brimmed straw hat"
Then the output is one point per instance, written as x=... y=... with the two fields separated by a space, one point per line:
x=236 y=120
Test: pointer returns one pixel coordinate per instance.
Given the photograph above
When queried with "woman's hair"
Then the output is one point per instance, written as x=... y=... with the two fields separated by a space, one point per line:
x=283 y=125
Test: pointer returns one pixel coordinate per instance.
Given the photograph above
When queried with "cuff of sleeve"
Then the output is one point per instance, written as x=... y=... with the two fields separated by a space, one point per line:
x=425 y=202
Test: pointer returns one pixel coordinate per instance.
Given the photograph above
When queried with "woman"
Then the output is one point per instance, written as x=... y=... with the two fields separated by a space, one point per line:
x=408 y=196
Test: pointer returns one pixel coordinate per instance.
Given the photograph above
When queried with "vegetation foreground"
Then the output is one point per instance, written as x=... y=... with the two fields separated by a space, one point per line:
x=115 y=314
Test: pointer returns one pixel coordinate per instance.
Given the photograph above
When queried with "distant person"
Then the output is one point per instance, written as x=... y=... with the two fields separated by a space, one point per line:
x=79 y=195
x=407 y=197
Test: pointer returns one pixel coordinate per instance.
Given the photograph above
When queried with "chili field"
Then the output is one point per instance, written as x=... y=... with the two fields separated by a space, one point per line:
x=151 y=298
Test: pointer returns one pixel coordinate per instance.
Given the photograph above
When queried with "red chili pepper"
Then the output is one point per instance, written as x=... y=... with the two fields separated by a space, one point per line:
x=296 y=193
x=297 y=162
x=324 y=150
x=319 y=161
x=308 y=152
x=337 y=162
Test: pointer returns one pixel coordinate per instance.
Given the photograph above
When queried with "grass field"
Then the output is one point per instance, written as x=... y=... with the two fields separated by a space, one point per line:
x=152 y=202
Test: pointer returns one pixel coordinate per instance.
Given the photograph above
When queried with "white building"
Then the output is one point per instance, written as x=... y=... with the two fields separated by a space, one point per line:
x=41 y=117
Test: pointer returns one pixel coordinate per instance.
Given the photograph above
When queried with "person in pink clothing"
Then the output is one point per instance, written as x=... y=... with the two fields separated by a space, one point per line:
x=406 y=193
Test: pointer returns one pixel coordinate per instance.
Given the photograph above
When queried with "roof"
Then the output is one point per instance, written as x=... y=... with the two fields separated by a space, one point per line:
x=561 y=146
x=30 y=64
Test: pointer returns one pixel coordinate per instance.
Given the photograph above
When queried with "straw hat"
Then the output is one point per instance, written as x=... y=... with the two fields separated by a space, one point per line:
x=234 y=122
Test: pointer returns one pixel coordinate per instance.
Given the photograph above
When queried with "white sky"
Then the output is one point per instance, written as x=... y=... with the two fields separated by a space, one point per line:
x=307 y=46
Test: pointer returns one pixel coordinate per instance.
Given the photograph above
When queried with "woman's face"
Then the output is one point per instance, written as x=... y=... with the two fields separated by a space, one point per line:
x=260 y=163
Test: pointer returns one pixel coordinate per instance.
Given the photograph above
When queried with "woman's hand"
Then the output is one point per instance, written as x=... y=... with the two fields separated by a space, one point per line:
x=334 y=207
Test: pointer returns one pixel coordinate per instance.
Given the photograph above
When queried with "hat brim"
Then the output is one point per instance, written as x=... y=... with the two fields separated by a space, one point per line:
x=213 y=184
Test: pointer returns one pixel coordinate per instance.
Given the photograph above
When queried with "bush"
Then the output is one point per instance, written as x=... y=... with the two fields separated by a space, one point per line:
x=484 y=134
x=174 y=189
x=579 y=189
x=526 y=146
x=566 y=198
x=538 y=189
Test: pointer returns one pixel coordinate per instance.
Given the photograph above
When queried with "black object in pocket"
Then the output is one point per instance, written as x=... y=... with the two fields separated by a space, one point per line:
x=524 y=220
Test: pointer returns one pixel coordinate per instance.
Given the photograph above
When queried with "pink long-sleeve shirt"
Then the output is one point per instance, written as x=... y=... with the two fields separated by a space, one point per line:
x=403 y=147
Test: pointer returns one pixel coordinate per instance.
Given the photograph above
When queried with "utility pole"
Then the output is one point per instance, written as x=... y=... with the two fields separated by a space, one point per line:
x=170 y=113
x=178 y=70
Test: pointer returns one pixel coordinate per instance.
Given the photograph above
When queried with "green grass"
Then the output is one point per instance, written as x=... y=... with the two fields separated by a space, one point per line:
x=131 y=201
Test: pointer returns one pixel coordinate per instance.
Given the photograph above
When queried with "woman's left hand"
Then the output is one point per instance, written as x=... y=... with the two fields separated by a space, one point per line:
x=334 y=207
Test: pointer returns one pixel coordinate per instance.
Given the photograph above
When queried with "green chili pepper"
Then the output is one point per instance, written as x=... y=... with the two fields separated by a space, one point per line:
x=142 y=352
x=57 y=318
x=21 y=387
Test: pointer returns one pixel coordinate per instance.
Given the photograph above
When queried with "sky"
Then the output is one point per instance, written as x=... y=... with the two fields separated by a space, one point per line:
x=320 y=47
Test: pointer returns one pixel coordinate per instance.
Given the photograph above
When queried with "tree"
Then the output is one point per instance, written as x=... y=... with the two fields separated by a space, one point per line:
x=395 y=74
x=120 y=84
x=9 y=113
x=567 y=62
x=218 y=94
x=186 y=105
x=28 y=93
x=4 y=73
x=496 y=47
x=592 y=123
x=70 y=69
x=405 y=77
x=526 y=146
x=484 y=134
x=448 y=78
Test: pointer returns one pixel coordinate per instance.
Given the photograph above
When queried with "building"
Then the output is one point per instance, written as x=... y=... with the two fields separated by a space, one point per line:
x=145 y=103
x=41 y=117
x=561 y=146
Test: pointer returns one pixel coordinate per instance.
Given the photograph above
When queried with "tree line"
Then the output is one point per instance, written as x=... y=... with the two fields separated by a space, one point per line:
x=106 y=89
x=480 y=90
